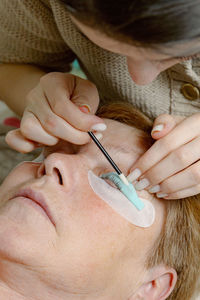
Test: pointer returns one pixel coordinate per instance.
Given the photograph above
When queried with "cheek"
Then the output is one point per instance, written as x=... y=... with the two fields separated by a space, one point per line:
x=103 y=228
x=95 y=214
x=19 y=175
x=92 y=235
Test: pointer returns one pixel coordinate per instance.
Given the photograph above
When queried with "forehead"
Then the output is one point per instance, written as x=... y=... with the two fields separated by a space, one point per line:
x=120 y=134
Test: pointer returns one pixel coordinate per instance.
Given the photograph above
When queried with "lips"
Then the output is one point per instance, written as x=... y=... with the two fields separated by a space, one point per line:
x=37 y=198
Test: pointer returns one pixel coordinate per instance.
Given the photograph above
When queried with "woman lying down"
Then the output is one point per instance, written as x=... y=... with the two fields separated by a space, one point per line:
x=63 y=235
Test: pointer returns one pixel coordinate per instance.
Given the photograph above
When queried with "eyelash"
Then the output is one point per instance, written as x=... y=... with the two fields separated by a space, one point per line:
x=107 y=180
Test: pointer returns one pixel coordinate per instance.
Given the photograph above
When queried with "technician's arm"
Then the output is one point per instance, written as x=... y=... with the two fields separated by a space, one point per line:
x=16 y=81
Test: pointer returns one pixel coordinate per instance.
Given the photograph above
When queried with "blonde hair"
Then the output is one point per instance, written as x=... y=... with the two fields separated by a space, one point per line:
x=179 y=244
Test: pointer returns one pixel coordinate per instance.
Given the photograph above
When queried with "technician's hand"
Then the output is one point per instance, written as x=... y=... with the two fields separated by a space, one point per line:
x=61 y=106
x=171 y=167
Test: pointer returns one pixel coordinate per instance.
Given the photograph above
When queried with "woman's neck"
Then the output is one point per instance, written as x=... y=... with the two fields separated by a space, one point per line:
x=19 y=282
x=8 y=293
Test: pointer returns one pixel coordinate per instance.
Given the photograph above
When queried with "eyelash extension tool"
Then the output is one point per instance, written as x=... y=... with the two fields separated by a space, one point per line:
x=105 y=153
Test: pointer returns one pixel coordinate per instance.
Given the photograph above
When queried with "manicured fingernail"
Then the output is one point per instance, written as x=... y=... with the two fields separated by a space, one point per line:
x=12 y=121
x=157 y=128
x=142 y=184
x=85 y=108
x=99 y=135
x=99 y=127
x=154 y=189
x=134 y=175
x=161 y=195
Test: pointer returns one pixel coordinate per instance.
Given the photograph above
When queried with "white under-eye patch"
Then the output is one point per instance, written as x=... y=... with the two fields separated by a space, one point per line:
x=115 y=199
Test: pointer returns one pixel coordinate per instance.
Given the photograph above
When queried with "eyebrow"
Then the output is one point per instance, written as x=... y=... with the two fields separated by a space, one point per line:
x=115 y=149
x=120 y=148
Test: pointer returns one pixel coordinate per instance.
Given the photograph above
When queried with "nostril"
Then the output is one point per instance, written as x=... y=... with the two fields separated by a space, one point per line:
x=41 y=171
x=57 y=173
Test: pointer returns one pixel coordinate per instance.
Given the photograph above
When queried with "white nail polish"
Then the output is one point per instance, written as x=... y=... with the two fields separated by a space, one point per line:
x=99 y=135
x=142 y=184
x=134 y=175
x=161 y=195
x=157 y=128
x=99 y=127
x=154 y=189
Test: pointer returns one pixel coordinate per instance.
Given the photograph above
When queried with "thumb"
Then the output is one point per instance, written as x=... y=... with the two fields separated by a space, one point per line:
x=162 y=125
x=86 y=92
x=85 y=97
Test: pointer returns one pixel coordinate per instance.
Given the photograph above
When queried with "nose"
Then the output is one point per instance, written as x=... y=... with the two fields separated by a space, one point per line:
x=62 y=168
x=142 y=72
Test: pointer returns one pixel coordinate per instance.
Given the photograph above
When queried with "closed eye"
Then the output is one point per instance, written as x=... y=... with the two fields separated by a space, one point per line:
x=107 y=180
x=110 y=182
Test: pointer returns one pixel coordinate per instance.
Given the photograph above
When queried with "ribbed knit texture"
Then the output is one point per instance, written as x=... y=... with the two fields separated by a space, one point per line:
x=42 y=33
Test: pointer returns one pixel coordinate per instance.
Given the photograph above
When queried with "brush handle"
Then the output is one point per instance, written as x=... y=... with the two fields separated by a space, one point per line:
x=105 y=153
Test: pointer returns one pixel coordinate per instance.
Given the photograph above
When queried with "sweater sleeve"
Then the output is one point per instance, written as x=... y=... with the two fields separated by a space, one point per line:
x=28 y=34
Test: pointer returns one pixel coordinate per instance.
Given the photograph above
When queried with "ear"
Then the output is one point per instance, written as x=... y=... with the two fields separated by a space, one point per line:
x=158 y=285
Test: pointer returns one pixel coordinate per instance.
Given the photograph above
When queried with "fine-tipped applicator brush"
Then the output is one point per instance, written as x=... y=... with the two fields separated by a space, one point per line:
x=105 y=153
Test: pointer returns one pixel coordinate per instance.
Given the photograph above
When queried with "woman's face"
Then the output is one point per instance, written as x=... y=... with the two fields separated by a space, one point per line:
x=76 y=241
x=144 y=64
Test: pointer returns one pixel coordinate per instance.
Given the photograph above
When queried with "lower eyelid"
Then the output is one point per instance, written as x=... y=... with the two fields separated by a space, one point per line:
x=110 y=183
x=106 y=179
x=101 y=171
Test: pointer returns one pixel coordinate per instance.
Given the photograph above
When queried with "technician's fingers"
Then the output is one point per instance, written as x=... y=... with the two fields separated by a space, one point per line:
x=181 y=185
x=187 y=179
x=32 y=130
x=54 y=127
x=173 y=163
x=162 y=125
x=183 y=133
x=72 y=92
x=86 y=92
x=192 y=191
x=18 y=142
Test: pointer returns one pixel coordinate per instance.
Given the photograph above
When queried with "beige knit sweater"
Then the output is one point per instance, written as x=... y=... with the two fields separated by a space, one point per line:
x=40 y=32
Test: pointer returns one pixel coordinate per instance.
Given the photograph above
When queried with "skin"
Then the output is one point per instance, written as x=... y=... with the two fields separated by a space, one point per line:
x=88 y=251
x=51 y=114
x=144 y=64
x=171 y=164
